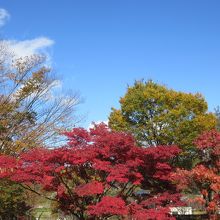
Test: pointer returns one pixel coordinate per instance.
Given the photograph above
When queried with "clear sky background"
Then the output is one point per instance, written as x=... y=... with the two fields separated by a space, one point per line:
x=98 y=47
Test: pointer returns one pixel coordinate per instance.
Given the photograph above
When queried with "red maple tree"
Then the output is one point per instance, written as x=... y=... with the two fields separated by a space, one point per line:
x=204 y=178
x=101 y=173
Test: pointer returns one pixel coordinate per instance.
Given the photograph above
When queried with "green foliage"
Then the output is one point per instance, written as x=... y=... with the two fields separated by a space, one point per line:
x=12 y=200
x=156 y=115
x=217 y=113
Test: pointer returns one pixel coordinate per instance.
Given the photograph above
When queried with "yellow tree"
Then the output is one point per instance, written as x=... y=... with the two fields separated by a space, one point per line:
x=30 y=113
x=156 y=115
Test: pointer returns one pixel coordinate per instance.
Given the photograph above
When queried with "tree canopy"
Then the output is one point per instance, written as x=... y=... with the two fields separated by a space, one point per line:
x=31 y=114
x=204 y=178
x=127 y=170
x=156 y=115
x=99 y=174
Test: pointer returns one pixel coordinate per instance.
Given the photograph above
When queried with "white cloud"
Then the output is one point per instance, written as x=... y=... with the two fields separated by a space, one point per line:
x=57 y=84
x=4 y=16
x=28 y=47
x=91 y=125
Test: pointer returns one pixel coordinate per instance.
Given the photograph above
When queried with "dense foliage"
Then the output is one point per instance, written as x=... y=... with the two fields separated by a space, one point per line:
x=12 y=200
x=99 y=174
x=217 y=114
x=204 y=178
x=126 y=171
x=156 y=115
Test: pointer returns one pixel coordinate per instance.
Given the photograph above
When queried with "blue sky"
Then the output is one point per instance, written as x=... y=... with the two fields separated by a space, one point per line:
x=99 y=47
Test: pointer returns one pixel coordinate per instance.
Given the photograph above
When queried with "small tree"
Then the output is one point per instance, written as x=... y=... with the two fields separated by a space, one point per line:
x=204 y=178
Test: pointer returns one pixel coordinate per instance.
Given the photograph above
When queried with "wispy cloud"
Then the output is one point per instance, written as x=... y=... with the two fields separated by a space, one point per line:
x=4 y=16
x=29 y=47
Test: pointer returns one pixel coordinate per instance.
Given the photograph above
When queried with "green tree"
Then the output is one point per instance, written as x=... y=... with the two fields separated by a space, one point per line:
x=156 y=115
x=12 y=200
x=217 y=114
